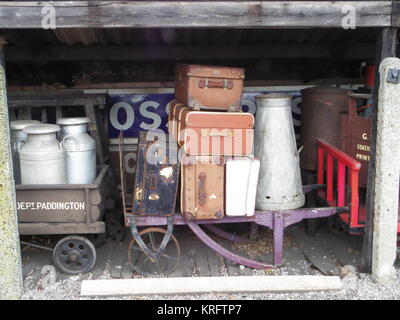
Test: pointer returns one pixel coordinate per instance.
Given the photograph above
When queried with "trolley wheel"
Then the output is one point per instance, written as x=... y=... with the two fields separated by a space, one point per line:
x=114 y=230
x=166 y=263
x=335 y=226
x=74 y=254
x=97 y=238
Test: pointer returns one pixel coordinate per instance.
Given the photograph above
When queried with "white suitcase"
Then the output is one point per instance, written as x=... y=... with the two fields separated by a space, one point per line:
x=241 y=186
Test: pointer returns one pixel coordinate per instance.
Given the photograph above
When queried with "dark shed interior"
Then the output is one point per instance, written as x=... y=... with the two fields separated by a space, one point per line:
x=82 y=58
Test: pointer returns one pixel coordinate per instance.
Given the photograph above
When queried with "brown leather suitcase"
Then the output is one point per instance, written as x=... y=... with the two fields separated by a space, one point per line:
x=208 y=87
x=202 y=187
x=215 y=133
x=174 y=111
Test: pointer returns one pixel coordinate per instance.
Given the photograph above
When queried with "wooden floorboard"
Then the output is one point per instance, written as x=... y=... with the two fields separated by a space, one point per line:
x=326 y=251
x=316 y=252
x=186 y=267
x=201 y=261
x=345 y=248
x=213 y=263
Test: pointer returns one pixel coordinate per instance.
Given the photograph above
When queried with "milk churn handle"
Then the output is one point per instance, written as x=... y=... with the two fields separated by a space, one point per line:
x=19 y=144
x=67 y=137
x=300 y=150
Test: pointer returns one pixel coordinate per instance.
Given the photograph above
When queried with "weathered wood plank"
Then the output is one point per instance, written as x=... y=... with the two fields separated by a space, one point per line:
x=345 y=248
x=54 y=99
x=213 y=263
x=396 y=14
x=316 y=252
x=201 y=261
x=186 y=266
x=117 y=14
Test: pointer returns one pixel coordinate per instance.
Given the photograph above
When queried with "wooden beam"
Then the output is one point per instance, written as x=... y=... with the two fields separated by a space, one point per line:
x=385 y=47
x=177 y=14
x=55 y=99
x=192 y=52
x=396 y=14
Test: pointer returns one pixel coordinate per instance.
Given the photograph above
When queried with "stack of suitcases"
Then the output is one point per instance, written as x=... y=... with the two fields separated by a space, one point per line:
x=219 y=173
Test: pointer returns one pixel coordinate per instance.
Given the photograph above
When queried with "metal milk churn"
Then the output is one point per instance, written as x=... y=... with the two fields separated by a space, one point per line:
x=80 y=149
x=18 y=137
x=41 y=157
x=279 y=181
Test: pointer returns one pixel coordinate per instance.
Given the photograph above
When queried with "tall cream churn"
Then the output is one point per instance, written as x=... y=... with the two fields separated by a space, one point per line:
x=80 y=149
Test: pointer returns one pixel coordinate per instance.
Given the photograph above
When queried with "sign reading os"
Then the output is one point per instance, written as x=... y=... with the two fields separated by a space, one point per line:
x=135 y=112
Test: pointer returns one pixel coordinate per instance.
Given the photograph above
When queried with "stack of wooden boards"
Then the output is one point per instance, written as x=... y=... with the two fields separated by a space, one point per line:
x=219 y=173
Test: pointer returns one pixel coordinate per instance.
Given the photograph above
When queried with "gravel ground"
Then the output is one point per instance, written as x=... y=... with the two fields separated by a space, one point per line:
x=356 y=286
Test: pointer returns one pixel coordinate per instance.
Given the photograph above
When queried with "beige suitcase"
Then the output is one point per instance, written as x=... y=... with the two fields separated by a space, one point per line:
x=202 y=187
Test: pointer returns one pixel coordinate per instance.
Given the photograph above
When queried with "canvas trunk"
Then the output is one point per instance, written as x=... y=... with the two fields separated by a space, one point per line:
x=157 y=176
x=202 y=190
x=208 y=87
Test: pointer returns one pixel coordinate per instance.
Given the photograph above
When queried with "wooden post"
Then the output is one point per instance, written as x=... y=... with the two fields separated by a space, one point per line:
x=385 y=47
x=10 y=261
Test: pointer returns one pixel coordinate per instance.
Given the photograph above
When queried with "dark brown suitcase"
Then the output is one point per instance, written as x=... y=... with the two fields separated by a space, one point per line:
x=156 y=179
x=202 y=187
x=208 y=87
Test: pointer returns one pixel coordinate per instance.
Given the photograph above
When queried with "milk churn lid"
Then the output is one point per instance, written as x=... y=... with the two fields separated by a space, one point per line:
x=73 y=121
x=42 y=128
x=21 y=124
x=273 y=100
x=324 y=89
x=274 y=96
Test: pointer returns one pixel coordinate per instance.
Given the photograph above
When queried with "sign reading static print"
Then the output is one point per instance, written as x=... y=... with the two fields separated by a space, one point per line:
x=137 y=112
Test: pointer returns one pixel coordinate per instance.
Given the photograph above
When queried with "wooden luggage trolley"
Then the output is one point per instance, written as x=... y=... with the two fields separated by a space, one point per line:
x=155 y=250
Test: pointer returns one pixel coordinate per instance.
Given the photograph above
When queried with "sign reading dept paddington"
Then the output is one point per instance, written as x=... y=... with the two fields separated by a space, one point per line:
x=137 y=112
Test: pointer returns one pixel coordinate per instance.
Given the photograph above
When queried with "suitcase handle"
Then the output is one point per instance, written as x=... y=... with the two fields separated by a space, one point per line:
x=216 y=133
x=225 y=84
x=153 y=181
x=202 y=189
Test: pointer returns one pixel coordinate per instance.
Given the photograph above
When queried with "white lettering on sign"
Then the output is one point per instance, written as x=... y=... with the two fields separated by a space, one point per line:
x=25 y=205
x=130 y=116
x=151 y=115
x=129 y=168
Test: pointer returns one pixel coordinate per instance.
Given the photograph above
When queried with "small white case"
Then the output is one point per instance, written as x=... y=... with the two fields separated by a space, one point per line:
x=241 y=186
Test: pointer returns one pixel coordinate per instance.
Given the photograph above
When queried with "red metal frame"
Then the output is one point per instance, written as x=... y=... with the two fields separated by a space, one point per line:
x=344 y=196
